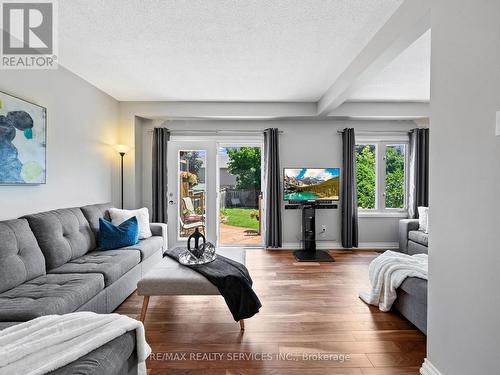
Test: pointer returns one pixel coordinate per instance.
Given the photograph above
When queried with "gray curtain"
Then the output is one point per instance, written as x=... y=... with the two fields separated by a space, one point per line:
x=418 y=194
x=273 y=188
x=160 y=205
x=349 y=197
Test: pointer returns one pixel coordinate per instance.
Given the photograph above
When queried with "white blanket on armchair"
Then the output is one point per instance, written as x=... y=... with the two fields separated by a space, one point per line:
x=47 y=343
x=387 y=272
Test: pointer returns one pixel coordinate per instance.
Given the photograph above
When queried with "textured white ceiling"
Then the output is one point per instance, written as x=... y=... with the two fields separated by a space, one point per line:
x=406 y=78
x=216 y=50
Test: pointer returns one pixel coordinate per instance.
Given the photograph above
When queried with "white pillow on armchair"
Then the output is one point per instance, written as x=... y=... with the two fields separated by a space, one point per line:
x=119 y=216
x=423 y=219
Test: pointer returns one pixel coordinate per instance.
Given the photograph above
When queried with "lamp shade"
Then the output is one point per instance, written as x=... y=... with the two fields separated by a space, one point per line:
x=122 y=149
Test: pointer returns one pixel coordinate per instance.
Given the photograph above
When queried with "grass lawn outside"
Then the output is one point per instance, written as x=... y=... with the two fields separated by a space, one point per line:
x=240 y=217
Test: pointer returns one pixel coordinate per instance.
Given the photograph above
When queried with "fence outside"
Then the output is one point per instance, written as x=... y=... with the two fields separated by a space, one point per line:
x=239 y=198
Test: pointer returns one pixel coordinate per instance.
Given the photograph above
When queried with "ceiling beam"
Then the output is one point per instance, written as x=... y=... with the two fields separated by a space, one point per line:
x=219 y=110
x=269 y=111
x=410 y=21
x=382 y=110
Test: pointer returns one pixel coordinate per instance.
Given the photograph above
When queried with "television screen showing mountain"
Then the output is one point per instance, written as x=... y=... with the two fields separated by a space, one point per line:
x=311 y=184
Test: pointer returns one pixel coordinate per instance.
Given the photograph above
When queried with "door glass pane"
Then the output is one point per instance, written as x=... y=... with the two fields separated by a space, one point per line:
x=240 y=195
x=366 y=175
x=192 y=191
x=395 y=176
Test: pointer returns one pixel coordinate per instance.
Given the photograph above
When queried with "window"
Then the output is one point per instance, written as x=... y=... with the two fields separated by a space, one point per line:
x=366 y=175
x=395 y=156
x=381 y=167
x=192 y=191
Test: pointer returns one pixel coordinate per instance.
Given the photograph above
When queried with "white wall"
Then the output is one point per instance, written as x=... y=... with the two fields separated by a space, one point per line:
x=304 y=143
x=464 y=252
x=82 y=124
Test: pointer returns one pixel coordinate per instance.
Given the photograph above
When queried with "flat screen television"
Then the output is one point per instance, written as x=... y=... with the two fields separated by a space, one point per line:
x=311 y=184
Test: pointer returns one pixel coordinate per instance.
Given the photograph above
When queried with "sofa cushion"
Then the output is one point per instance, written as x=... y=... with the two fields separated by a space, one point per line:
x=94 y=212
x=416 y=248
x=49 y=294
x=142 y=214
x=112 y=264
x=419 y=237
x=416 y=287
x=20 y=256
x=63 y=235
x=115 y=236
x=147 y=247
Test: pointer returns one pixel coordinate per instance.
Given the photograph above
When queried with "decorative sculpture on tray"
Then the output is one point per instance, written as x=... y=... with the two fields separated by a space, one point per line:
x=199 y=254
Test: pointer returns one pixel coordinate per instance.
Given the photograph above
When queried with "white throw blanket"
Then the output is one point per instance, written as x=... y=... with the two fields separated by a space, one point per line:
x=47 y=343
x=387 y=272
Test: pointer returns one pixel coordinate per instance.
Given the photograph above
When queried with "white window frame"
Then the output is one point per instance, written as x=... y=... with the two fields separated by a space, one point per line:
x=207 y=218
x=381 y=143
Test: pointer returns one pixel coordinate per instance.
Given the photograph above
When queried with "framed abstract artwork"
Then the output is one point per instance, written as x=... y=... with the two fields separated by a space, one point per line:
x=23 y=138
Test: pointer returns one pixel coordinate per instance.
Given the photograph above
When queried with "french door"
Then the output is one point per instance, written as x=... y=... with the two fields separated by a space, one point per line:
x=215 y=186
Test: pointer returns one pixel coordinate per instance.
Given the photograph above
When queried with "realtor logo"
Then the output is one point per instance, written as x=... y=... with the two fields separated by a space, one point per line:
x=28 y=34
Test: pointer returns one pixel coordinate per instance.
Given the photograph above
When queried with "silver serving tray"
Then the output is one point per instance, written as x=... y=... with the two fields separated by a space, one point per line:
x=187 y=258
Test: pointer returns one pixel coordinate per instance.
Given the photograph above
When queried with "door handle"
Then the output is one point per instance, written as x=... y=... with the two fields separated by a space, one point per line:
x=171 y=202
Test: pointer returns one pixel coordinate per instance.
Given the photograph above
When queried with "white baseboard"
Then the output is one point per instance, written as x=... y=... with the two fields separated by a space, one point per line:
x=428 y=368
x=334 y=245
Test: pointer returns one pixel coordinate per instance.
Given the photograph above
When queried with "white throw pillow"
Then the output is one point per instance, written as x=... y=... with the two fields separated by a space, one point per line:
x=423 y=219
x=119 y=216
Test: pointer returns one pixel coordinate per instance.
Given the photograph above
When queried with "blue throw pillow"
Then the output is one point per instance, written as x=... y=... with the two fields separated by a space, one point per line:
x=114 y=237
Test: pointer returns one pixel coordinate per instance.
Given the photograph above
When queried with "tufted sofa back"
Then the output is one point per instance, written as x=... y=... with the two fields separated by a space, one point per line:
x=21 y=259
x=62 y=234
x=94 y=212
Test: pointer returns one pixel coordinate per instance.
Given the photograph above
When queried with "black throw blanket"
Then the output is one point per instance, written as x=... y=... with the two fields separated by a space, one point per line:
x=233 y=281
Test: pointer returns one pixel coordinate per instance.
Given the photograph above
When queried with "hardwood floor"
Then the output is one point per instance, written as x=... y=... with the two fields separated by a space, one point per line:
x=307 y=308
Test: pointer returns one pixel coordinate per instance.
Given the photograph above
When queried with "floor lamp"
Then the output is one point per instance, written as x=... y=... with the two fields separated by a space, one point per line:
x=122 y=150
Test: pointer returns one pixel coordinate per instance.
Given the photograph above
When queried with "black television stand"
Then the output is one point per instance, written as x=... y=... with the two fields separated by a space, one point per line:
x=310 y=253
x=313 y=256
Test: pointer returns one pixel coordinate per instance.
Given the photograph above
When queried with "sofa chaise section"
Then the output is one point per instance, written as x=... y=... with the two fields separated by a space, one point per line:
x=411 y=302
x=49 y=264
x=49 y=294
x=117 y=357
x=411 y=299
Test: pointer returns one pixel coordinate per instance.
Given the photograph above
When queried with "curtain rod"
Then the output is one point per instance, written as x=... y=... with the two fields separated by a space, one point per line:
x=216 y=131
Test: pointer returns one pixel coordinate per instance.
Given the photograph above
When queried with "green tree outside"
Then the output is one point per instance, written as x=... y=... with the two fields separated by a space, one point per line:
x=244 y=163
x=193 y=160
x=394 y=179
x=365 y=175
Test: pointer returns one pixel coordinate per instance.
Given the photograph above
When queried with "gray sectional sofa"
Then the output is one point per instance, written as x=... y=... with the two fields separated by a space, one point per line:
x=412 y=294
x=49 y=264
